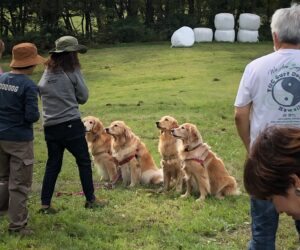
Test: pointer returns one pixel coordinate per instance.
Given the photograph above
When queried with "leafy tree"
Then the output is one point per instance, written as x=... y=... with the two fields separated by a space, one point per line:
x=43 y=21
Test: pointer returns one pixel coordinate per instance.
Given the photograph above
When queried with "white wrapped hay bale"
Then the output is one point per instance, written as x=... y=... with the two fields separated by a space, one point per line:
x=225 y=35
x=249 y=21
x=247 y=36
x=203 y=34
x=183 y=37
x=224 y=21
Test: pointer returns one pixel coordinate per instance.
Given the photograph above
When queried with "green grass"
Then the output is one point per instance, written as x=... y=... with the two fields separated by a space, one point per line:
x=139 y=83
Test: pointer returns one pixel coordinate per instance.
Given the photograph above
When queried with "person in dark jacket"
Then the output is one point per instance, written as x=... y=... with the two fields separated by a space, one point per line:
x=18 y=112
x=2 y=48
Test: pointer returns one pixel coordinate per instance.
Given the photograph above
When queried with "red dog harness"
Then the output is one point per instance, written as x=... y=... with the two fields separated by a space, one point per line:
x=196 y=159
x=128 y=159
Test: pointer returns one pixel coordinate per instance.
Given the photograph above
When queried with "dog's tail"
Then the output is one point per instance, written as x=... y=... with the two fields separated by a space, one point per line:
x=231 y=188
x=153 y=176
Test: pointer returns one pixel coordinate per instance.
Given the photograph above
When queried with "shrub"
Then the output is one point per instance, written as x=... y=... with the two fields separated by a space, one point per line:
x=128 y=30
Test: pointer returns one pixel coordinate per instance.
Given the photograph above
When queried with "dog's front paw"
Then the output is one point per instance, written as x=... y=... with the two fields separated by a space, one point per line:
x=184 y=196
x=132 y=185
x=200 y=199
x=220 y=196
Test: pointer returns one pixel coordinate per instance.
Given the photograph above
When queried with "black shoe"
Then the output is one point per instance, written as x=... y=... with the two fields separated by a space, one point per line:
x=47 y=210
x=96 y=203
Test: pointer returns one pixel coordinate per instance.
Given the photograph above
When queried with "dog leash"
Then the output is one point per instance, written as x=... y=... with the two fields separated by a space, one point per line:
x=80 y=193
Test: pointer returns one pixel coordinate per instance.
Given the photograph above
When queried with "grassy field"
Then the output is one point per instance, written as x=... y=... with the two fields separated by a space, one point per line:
x=139 y=83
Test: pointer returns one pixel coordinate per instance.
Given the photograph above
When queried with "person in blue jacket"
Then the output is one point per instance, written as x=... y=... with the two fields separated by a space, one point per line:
x=2 y=48
x=18 y=112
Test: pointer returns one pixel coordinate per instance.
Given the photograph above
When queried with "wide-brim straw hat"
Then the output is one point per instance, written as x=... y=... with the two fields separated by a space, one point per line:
x=25 y=55
x=68 y=44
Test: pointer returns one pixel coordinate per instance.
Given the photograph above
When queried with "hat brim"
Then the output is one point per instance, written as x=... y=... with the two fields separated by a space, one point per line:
x=28 y=62
x=74 y=48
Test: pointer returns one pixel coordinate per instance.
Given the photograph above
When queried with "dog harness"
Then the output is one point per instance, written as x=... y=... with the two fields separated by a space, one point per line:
x=128 y=159
x=196 y=159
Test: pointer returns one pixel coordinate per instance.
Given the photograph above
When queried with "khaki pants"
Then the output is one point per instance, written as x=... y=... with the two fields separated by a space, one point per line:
x=16 y=167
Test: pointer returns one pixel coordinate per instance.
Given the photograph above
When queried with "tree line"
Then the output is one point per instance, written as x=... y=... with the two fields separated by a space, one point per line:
x=110 y=21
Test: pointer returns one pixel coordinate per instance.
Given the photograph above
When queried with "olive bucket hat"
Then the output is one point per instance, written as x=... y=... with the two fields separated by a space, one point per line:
x=68 y=44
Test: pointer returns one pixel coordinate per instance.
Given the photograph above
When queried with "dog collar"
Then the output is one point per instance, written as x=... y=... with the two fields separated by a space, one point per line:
x=188 y=150
x=102 y=152
x=170 y=157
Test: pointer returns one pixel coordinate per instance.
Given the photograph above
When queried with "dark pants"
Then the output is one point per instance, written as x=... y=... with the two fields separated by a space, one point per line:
x=264 y=225
x=71 y=136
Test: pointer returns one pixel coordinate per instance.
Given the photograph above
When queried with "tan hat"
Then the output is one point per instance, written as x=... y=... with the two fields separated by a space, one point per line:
x=68 y=44
x=24 y=55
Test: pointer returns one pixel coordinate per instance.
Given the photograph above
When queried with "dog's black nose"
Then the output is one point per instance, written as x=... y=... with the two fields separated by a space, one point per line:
x=172 y=130
x=106 y=130
x=157 y=124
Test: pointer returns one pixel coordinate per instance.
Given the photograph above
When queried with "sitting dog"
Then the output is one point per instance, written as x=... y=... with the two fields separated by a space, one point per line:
x=136 y=163
x=168 y=149
x=203 y=170
x=99 y=144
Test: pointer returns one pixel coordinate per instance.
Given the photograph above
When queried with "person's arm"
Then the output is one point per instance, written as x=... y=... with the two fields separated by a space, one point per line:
x=242 y=122
x=81 y=90
x=31 y=104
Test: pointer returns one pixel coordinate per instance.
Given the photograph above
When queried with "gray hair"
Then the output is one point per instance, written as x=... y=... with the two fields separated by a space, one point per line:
x=286 y=24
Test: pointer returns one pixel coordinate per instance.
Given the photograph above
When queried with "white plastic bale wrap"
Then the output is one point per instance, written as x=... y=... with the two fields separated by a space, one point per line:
x=183 y=37
x=224 y=21
x=249 y=21
x=203 y=34
x=247 y=36
x=225 y=35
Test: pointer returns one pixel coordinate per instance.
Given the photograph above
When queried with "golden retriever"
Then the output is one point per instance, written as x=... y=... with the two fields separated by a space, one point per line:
x=204 y=171
x=168 y=149
x=136 y=163
x=99 y=143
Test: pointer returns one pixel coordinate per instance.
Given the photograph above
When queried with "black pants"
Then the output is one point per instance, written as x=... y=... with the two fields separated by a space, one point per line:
x=71 y=136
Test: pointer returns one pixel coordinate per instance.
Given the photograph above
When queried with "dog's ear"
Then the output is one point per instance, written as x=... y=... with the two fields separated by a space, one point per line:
x=127 y=132
x=97 y=126
x=175 y=124
x=199 y=136
x=195 y=135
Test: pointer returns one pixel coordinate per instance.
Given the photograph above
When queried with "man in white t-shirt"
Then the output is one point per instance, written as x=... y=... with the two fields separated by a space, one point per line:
x=269 y=94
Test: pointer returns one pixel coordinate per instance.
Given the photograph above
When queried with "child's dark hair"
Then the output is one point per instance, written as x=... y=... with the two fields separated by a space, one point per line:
x=274 y=158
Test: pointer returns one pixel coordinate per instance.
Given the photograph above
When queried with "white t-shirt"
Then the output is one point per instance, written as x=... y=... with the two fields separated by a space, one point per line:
x=272 y=84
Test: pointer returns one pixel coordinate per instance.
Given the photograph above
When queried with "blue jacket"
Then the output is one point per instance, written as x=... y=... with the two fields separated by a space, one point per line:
x=18 y=107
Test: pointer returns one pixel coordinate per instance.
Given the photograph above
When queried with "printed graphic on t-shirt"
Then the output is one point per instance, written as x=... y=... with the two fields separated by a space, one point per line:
x=8 y=87
x=284 y=88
